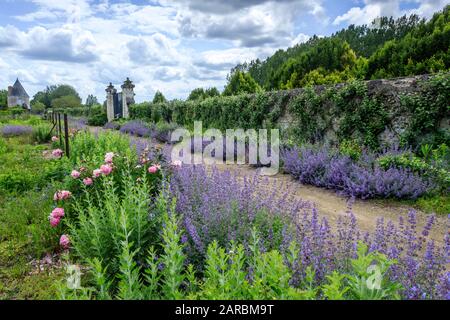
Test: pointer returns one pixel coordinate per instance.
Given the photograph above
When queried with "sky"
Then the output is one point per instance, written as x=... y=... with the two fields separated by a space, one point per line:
x=171 y=46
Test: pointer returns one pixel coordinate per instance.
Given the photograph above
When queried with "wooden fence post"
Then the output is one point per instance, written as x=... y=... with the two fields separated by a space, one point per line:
x=60 y=131
x=66 y=134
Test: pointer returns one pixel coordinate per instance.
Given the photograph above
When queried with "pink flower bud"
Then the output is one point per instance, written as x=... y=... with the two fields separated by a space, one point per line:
x=54 y=221
x=153 y=169
x=106 y=169
x=87 y=181
x=64 y=241
x=75 y=174
x=57 y=213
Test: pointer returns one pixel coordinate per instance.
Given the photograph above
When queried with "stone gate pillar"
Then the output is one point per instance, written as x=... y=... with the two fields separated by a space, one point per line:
x=127 y=96
x=110 y=91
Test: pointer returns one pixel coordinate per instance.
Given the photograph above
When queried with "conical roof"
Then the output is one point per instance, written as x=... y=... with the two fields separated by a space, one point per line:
x=18 y=90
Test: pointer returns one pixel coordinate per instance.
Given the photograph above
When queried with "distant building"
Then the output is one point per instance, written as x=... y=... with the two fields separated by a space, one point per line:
x=117 y=103
x=17 y=96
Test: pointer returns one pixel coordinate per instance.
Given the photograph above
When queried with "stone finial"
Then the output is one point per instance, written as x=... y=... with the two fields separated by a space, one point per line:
x=128 y=84
x=110 y=88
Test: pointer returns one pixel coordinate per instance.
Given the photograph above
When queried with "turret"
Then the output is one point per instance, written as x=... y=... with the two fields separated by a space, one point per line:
x=127 y=96
x=110 y=92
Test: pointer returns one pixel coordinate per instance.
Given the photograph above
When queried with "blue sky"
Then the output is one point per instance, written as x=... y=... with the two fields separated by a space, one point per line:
x=171 y=46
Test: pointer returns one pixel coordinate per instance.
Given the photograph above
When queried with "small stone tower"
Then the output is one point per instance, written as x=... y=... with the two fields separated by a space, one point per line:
x=17 y=96
x=110 y=94
x=127 y=96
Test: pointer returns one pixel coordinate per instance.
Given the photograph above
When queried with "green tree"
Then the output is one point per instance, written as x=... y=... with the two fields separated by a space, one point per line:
x=159 y=97
x=54 y=92
x=3 y=99
x=66 y=102
x=91 y=100
x=197 y=94
x=241 y=82
x=37 y=107
x=212 y=92
x=201 y=94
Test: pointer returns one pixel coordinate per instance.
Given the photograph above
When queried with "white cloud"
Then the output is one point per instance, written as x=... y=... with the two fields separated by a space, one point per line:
x=69 y=43
x=371 y=10
x=156 y=49
x=428 y=7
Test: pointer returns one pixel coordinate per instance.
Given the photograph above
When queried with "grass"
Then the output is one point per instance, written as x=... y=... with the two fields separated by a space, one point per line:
x=27 y=182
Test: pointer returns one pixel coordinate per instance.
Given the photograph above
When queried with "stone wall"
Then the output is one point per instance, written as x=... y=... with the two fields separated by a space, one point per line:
x=391 y=91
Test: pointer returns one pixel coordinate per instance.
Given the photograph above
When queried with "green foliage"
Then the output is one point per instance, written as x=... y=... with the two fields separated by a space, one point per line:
x=427 y=108
x=439 y=204
x=369 y=280
x=159 y=97
x=350 y=148
x=66 y=102
x=201 y=94
x=42 y=133
x=423 y=50
x=363 y=117
x=38 y=107
x=87 y=147
x=97 y=116
x=3 y=99
x=386 y=48
x=56 y=92
x=437 y=172
x=239 y=83
x=38 y=173
x=91 y=100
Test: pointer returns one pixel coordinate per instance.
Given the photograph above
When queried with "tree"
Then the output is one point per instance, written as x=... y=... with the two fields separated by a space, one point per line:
x=212 y=92
x=66 y=102
x=201 y=94
x=240 y=82
x=37 y=107
x=3 y=99
x=54 y=92
x=91 y=100
x=197 y=94
x=159 y=97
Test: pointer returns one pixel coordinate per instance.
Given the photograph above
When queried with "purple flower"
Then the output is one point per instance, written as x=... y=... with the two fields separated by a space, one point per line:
x=15 y=130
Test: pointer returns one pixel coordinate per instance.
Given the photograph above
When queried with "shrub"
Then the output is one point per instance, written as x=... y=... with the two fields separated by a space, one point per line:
x=16 y=130
x=42 y=133
x=362 y=179
x=97 y=116
x=218 y=207
x=138 y=128
x=163 y=130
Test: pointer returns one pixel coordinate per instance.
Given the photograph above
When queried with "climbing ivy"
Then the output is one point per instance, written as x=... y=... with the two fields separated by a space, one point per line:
x=349 y=111
x=427 y=108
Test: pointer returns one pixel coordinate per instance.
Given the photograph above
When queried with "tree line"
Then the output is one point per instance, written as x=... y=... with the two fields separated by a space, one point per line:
x=386 y=48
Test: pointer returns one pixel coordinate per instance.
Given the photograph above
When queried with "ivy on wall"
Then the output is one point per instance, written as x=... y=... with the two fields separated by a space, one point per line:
x=350 y=111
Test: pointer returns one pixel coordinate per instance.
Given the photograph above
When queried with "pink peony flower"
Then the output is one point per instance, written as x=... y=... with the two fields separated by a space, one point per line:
x=57 y=213
x=64 y=241
x=109 y=157
x=153 y=169
x=87 y=181
x=57 y=153
x=75 y=174
x=55 y=138
x=62 y=195
x=54 y=221
x=106 y=169
x=96 y=173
